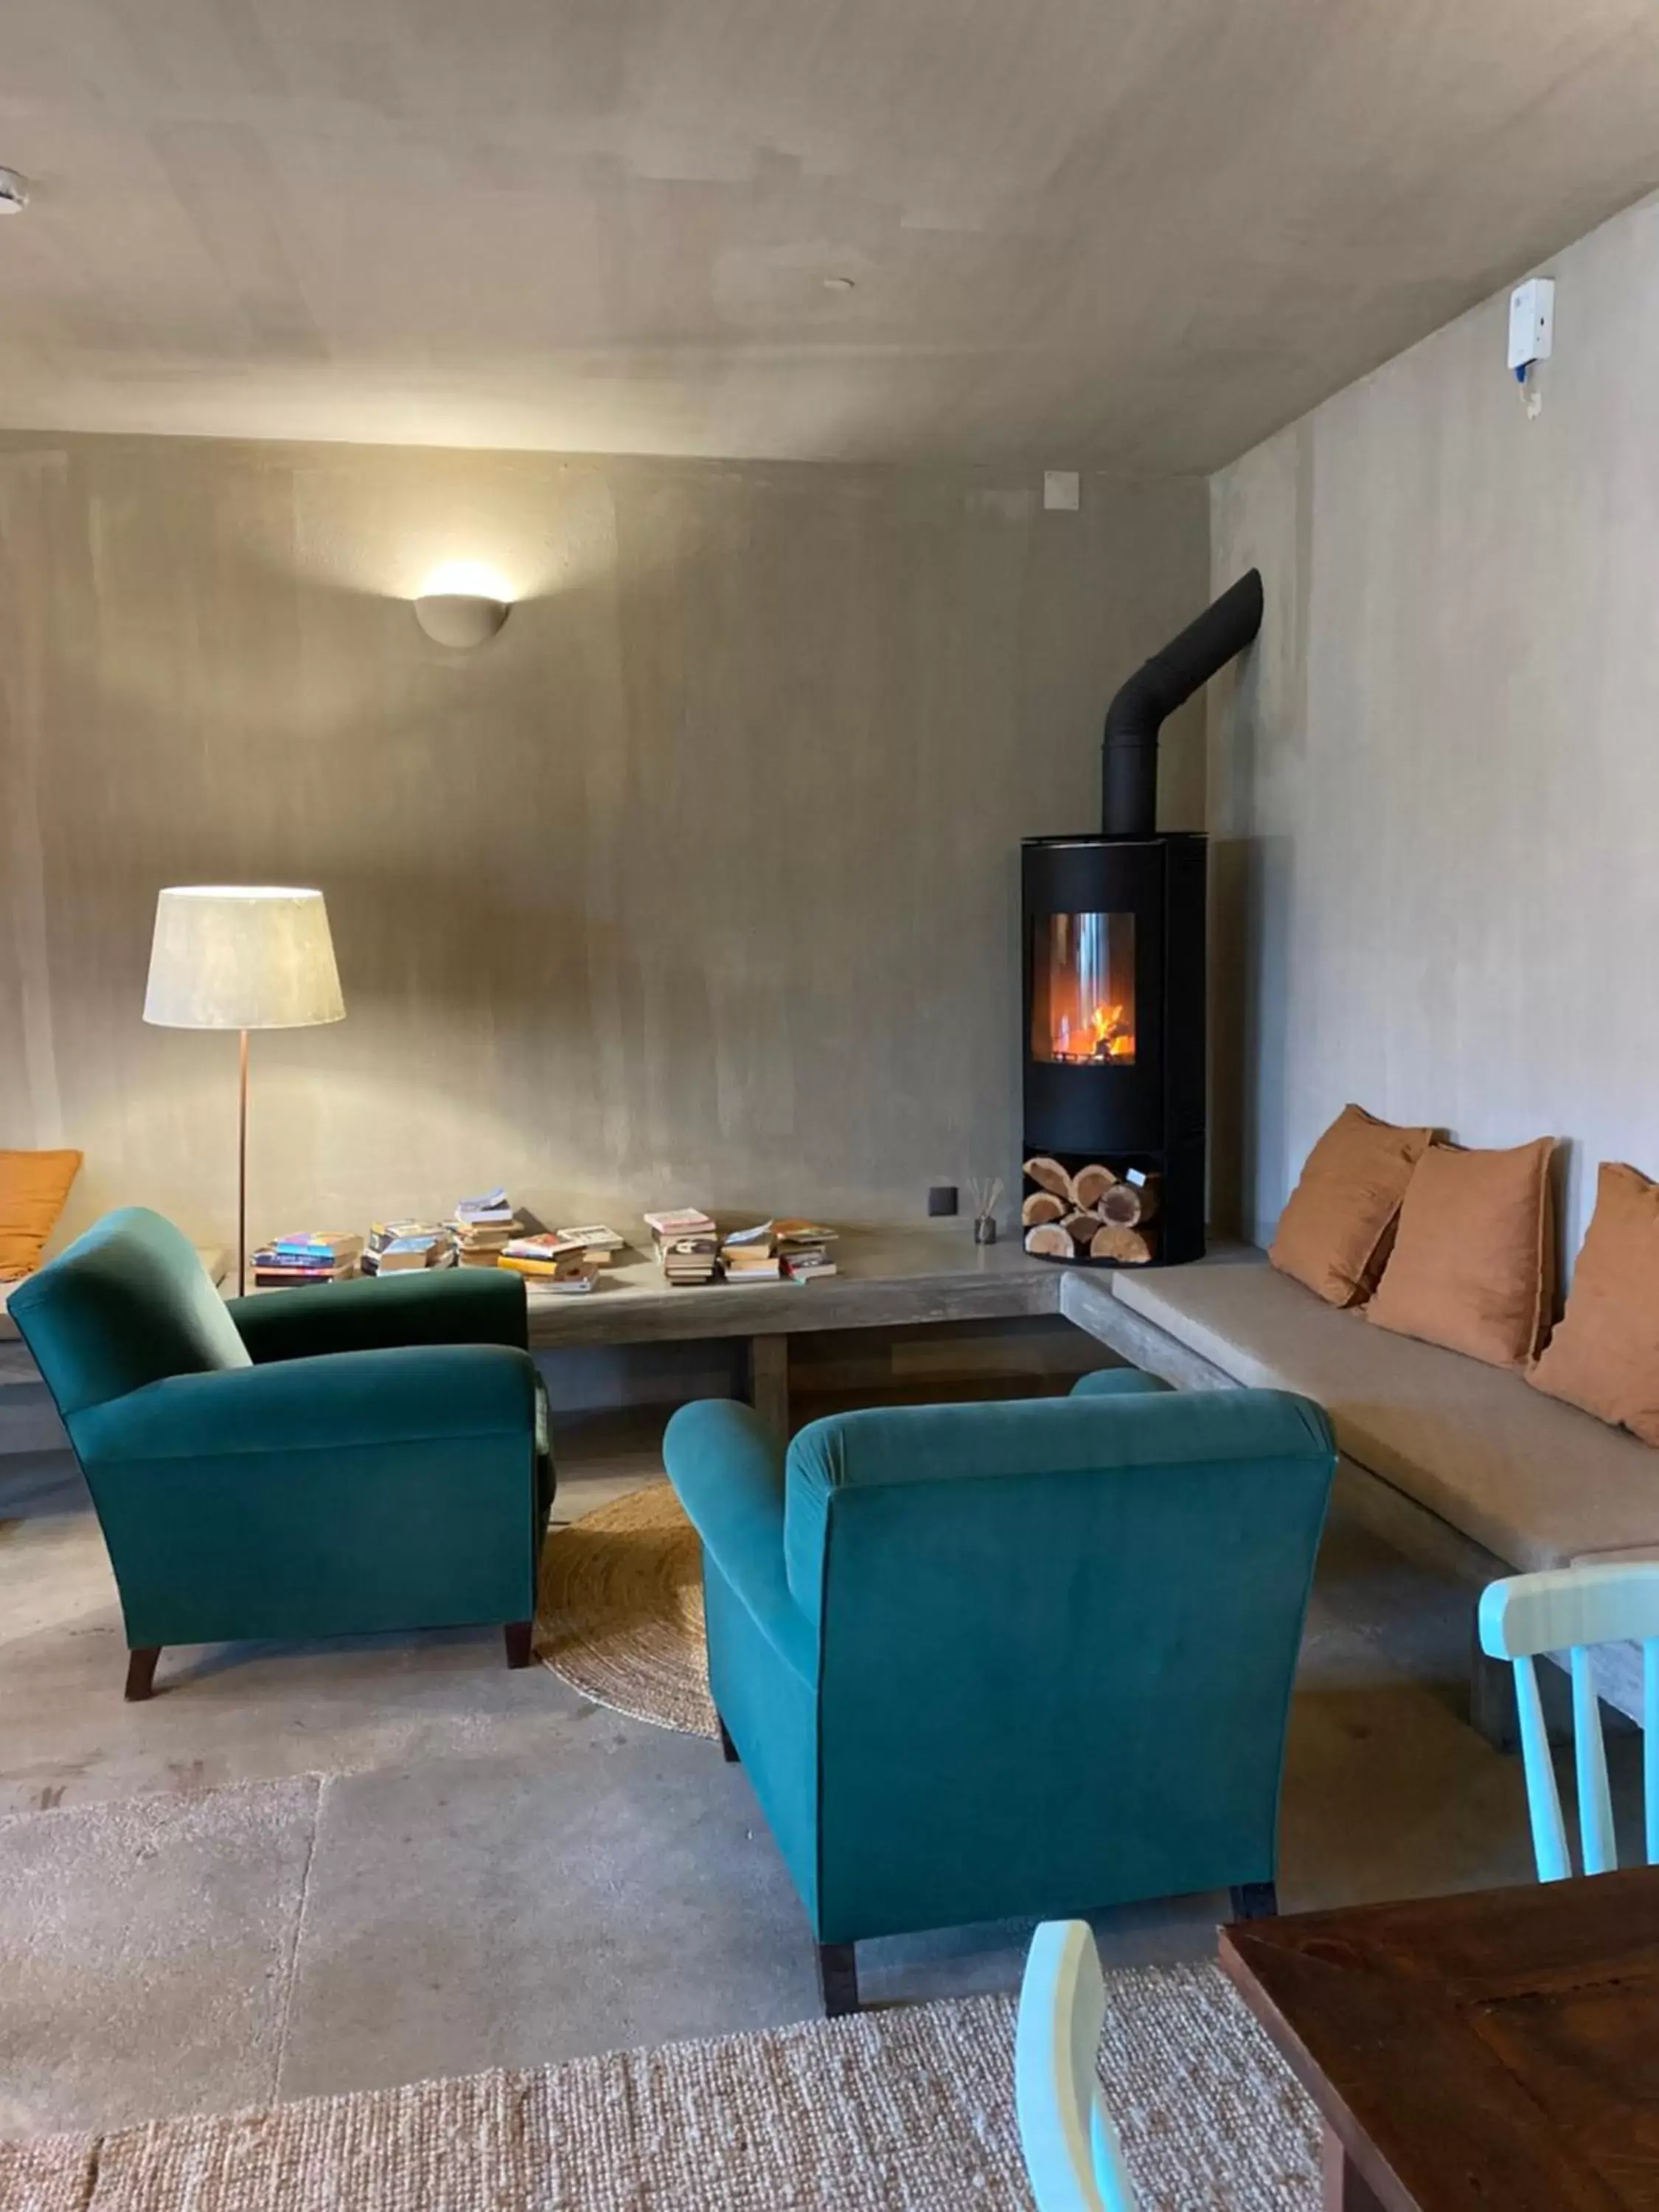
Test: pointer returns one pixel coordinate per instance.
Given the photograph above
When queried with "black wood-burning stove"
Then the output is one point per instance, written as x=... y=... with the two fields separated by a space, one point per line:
x=1115 y=1024
x=1114 y=1016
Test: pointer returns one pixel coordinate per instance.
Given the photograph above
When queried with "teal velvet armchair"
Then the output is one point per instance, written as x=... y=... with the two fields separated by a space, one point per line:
x=334 y=1460
x=988 y=1661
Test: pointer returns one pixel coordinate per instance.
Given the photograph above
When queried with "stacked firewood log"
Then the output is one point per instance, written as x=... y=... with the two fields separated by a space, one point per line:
x=1092 y=1214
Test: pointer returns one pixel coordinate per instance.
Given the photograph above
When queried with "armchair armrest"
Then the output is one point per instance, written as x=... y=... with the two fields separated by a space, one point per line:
x=728 y=1472
x=338 y=1402
x=338 y=1496
x=375 y=1313
x=1117 y=1382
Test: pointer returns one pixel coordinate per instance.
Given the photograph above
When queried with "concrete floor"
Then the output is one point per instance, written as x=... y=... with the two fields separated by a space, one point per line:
x=429 y=1864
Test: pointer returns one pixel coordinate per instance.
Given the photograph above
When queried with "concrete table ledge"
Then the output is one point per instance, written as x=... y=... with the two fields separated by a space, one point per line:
x=884 y=1278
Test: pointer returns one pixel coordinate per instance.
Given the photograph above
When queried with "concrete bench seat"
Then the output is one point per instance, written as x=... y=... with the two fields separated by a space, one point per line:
x=1536 y=1482
x=1459 y=1463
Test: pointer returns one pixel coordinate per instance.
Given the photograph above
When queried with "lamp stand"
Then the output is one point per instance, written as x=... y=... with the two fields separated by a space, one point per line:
x=242 y=956
x=241 y=1167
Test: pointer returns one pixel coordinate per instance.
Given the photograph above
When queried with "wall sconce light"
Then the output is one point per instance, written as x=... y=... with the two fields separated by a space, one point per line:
x=462 y=605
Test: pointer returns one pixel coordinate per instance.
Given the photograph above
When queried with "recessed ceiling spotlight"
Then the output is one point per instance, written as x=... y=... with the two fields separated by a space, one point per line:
x=14 y=192
x=841 y=284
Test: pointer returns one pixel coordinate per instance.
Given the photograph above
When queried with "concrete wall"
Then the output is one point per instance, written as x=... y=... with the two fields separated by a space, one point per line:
x=1437 y=783
x=698 y=884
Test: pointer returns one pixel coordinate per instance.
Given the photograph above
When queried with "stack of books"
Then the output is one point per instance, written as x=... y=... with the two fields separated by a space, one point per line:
x=687 y=1244
x=397 y=1248
x=598 y=1244
x=750 y=1256
x=484 y=1228
x=553 y=1258
x=313 y=1255
x=804 y=1248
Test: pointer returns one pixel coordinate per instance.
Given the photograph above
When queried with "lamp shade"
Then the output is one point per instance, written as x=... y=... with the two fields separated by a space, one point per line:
x=461 y=619
x=242 y=956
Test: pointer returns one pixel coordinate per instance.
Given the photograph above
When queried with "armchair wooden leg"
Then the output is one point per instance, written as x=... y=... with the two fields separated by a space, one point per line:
x=728 y=1749
x=838 y=1980
x=1255 y=1900
x=518 y=1635
x=141 y=1672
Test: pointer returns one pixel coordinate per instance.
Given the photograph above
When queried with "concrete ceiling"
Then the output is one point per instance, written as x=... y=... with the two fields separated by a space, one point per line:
x=1129 y=233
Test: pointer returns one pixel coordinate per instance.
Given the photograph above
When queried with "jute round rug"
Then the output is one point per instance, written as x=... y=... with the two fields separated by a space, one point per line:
x=620 y=1611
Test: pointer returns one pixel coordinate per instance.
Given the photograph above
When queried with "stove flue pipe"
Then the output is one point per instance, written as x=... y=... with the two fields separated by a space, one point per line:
x=1129 y=752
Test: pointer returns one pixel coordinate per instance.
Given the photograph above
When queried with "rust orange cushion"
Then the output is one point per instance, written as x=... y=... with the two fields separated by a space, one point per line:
x=1335 y=1234
x=1604 y=1356
x=33 y=1189
x=1473 y=1261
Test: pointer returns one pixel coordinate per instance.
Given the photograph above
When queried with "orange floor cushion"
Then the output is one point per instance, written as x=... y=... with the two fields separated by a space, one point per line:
x=33 y=1189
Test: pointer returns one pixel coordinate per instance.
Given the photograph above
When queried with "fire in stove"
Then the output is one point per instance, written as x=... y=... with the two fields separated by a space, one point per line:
x=1107 y=1035
x=1083 y=990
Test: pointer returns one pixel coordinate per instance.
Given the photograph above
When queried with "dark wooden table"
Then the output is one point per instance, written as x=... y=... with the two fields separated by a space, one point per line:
x=1498 y=2051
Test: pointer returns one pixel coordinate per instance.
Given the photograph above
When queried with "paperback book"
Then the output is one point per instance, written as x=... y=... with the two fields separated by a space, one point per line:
x=687 y=1244
x=484 y=1228
x=550 y=1257
x=750 y=1256
x=307 y=1256
x=406 y=1247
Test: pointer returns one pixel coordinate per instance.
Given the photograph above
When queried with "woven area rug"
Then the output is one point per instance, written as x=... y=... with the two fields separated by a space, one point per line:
x=910 y=2111
x=619 y=1615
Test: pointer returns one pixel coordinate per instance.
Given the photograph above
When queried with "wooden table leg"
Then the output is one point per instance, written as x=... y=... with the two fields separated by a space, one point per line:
x=1346 y=2189
x=767 y=1382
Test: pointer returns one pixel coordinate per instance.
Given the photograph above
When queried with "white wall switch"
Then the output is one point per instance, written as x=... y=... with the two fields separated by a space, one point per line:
x=1062 y=490
x=1531 y=321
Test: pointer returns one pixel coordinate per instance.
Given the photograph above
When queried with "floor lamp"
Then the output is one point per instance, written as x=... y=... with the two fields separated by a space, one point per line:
x=242 y=956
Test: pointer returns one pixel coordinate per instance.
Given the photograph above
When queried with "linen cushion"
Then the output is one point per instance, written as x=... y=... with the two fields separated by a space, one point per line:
x=1473 y=1263
x=1604 y=1356
x=33 y=1189
x=1335 y=1233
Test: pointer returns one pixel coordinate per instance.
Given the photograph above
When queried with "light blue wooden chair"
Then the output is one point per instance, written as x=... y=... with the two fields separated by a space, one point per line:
x=1070 y=2144
x=1572 y=1609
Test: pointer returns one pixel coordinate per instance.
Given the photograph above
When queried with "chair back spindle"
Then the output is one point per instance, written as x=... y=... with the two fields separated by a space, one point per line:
x=1575 y=1610
x=1070 y=2147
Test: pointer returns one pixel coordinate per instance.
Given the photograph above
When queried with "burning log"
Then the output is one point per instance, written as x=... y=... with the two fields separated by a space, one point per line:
x=1127 y=1246
x=1128 y=1205
x=1050 y=1242
x=1051 y=1175
x=1090 y=1185
x=1041 y=1205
